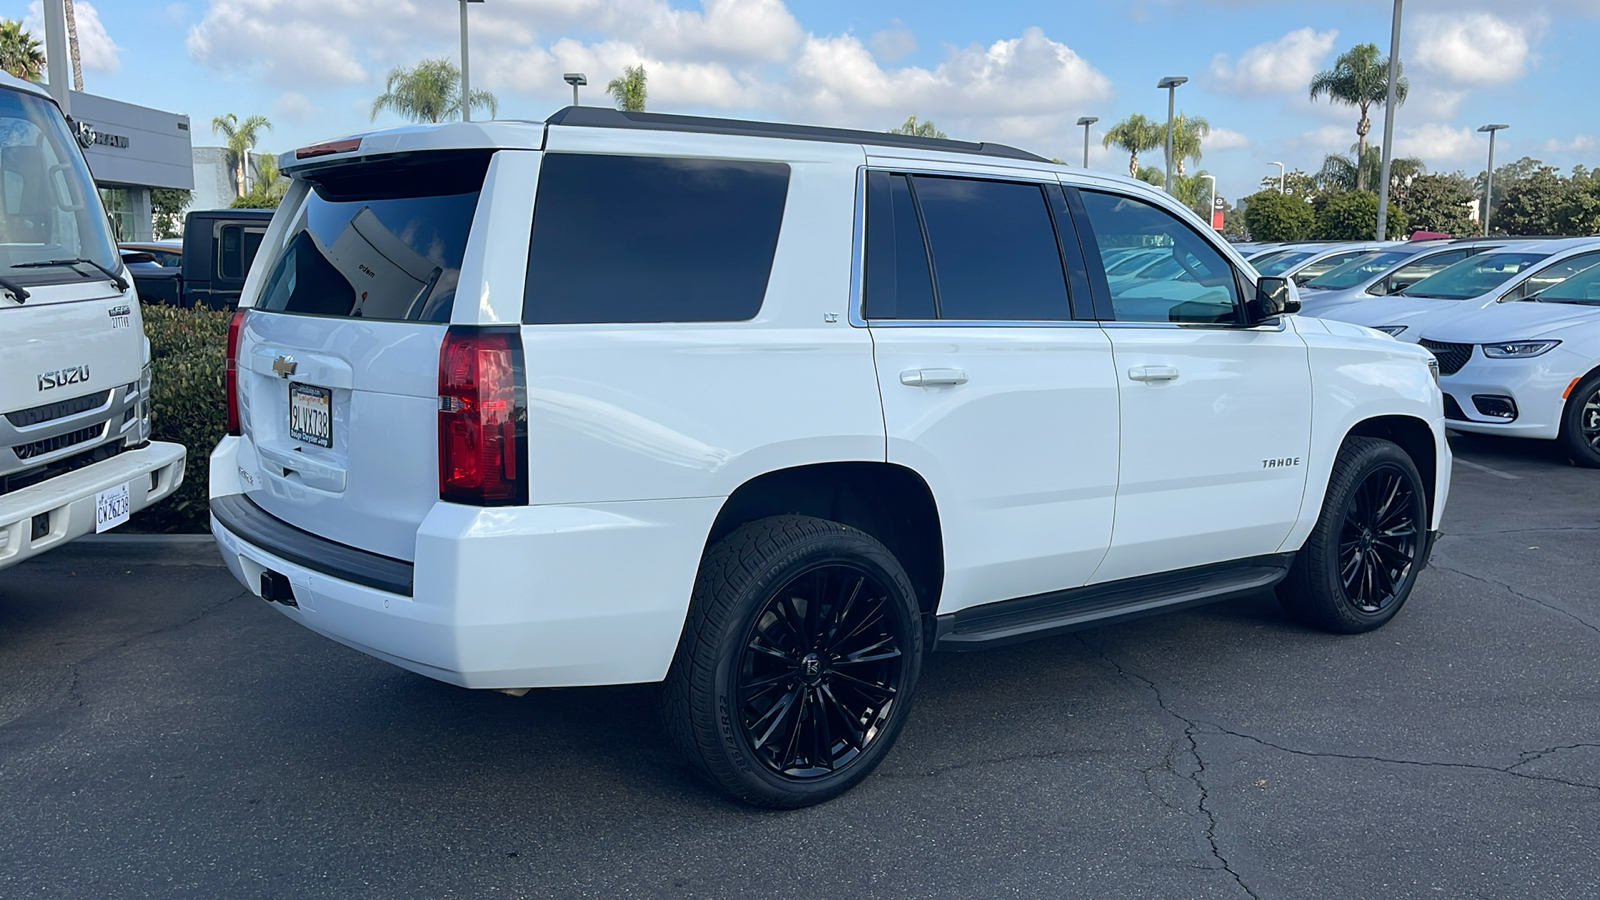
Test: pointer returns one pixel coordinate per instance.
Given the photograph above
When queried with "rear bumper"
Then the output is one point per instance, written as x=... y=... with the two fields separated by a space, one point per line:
x=69 y=500
x=543 y=596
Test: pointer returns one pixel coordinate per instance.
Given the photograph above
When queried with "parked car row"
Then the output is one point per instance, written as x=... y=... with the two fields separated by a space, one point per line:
x=1513 y=322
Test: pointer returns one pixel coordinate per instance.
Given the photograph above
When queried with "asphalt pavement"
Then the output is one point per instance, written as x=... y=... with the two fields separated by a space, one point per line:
x=165 y=734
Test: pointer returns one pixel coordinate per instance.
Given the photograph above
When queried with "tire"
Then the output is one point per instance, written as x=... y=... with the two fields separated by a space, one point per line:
x=1361 y=561
x=1580 y=424
x=797 y=664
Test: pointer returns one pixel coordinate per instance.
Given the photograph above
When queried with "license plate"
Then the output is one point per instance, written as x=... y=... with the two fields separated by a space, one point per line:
x=112 y=507
x=310 y=414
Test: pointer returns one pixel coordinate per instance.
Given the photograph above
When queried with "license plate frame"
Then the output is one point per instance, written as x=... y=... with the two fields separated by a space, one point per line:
x=311 y=415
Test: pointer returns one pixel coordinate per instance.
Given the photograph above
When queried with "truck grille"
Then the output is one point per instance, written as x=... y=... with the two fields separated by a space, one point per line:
x=38 y=415
x=59 y=442
x=1451 y=356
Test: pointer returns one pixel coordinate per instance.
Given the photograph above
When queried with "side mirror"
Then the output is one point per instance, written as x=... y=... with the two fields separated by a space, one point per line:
x=1274 y=297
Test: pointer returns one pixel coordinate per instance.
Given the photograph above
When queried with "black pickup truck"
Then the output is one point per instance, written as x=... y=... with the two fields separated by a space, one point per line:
x=218 y=247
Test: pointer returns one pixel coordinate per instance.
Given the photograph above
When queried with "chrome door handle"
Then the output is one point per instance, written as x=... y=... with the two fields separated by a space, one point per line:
x=932 y=377
x=1152 y=373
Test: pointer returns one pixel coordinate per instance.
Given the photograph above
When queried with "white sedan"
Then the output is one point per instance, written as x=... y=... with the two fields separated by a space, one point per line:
x=1510 y=273
x=1527 y=369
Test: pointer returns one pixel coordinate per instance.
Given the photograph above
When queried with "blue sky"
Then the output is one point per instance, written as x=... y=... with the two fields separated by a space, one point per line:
x=1018 y=71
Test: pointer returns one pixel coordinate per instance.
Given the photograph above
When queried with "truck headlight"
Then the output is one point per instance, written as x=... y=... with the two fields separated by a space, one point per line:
x=1518 y=349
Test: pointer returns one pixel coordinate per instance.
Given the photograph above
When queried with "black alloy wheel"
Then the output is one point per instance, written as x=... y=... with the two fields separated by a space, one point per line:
x=1368 y=545
x=820 y=672
x=1580 y=423
x=1379 y=539
x=797 y=664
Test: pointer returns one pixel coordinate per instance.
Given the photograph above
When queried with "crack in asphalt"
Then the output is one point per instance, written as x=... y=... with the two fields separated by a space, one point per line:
x=1529 y=756
x=1516 y=593
x=1431 y=764
x=1196 y=776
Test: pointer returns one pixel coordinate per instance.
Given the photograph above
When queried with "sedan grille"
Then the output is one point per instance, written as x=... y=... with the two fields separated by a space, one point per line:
x=1451 y=356
x=38 y=415
x=59 y=442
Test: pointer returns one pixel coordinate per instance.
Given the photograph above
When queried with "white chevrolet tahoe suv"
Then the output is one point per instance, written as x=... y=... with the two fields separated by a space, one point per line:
x=765 y=412
x=75 y=449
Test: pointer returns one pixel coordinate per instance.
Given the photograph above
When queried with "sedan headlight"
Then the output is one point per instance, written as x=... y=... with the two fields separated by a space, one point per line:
x=1518 y=349
x=1391 y=330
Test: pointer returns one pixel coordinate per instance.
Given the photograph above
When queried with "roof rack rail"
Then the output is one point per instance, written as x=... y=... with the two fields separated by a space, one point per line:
x=601 y=117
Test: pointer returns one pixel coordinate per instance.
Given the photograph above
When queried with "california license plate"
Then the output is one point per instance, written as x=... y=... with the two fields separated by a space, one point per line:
x=311 y=414
x=112 y=507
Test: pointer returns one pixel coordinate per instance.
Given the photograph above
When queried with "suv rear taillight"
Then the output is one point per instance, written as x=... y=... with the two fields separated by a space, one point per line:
x=231 y=370
x=483 y=417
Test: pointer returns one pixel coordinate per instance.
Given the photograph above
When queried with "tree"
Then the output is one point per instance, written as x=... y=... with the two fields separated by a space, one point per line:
x=1135 y=135
x=1440 y=203
x=20 y=53
x=166 y=210
x=1353 y=216
x=1187 y=134
x=1193 y=191
x=269 y=188
x=1296 y=183
x=241 y=138
x=1152 y=175
x=72 y=47
x=1271 y=216
x=1340 y=173
x=629 y=89
x=1579 y=212
x=1530 y=204
x=430 y=92
x=1359 y=78
x=918 y=129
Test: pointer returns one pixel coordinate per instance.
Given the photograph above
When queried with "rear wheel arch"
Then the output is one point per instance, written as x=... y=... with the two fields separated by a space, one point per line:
x=891 y=503
x=1414 y=437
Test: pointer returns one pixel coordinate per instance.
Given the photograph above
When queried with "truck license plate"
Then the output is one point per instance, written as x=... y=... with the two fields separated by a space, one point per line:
x=310 y=414
x=112 y=507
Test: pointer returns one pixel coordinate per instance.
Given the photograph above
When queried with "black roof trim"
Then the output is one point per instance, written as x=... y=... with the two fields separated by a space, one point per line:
x=601 y=117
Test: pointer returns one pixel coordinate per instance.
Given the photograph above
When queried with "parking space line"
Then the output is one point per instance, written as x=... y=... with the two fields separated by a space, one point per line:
x=1483 y=468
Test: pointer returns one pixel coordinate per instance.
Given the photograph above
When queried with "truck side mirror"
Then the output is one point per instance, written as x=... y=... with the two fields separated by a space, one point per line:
x=1274 y=297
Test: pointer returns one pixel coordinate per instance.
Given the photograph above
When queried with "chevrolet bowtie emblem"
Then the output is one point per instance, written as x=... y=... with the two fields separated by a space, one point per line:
x=284 y=366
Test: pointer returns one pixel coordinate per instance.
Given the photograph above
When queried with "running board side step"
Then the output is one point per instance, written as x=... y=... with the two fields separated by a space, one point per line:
x=1042 y=615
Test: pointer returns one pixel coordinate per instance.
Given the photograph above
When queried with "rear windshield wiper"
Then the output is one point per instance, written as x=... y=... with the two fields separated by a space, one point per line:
x=118 y=280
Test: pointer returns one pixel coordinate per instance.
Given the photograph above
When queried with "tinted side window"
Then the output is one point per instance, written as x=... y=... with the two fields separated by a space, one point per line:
x=1190 y=281
x=652 y=239
x=994 y=249
x=1553 y=275
x=898 y=285
x=1411 y=273
x=236 y=249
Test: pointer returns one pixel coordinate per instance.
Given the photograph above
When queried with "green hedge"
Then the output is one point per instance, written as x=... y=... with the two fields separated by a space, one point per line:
x=188 y=406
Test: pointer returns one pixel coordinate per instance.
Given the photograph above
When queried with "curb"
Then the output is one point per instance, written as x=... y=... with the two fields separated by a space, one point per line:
x=146 y=549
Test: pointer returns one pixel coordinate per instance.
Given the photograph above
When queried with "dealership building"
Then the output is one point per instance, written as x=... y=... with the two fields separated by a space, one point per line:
x=132 y=150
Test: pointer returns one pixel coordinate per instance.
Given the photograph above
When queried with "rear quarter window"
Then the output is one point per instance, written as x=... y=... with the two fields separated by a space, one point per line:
x=652 y=239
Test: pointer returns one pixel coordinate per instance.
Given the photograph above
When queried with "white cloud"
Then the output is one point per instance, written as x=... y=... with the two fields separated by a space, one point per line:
x=1578 y=143
x=1225 y=139
x=1477 y=48
x=97 y=52
x=1285 y=65
x=1434 y=142
x=287 y=42
x=293 y=107
x=894 y=43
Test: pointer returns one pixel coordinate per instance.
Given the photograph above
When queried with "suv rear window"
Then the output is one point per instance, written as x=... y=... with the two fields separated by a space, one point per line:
x=379 y=239
x=652 y=239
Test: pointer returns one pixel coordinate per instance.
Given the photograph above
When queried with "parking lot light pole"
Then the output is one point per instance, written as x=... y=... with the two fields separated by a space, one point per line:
x=1388 y=126
x=1488 y=184
x=1280 y=174
x=1086 y=121
x=575 y=79
x=1171 y=83
x=466 y=81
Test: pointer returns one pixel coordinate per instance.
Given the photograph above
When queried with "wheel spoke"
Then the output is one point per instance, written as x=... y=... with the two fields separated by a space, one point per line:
x=778 y=713
x=792 y=746
x=824 y=734
x=774 y=653
x=862 y=686
x=852 y=722
x=843 y=613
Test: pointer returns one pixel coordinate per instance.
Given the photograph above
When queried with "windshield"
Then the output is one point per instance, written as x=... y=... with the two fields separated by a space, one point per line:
x=1277 y=264
x=1353 y=272
x=48 y=205
x=1582 y=288
x=1326 y=264
x=1472 y=277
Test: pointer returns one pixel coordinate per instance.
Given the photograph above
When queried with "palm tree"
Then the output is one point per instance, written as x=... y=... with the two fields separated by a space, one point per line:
x=72 y=48
x=1341 y=173
x=924 y=128
x=1135 y=135
x=1187 y=133
x=1359 y=78
x=628 y=89
x=20 y=54
x=241 y=138
x=429 y=92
